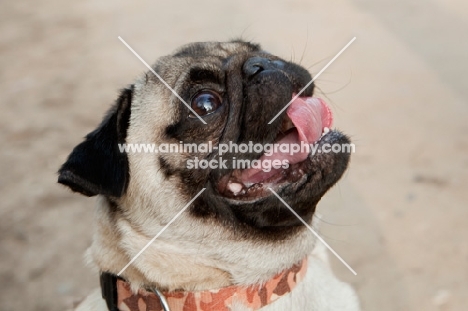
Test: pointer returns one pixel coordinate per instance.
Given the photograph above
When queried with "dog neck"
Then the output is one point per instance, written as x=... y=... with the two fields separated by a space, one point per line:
x=119 y=296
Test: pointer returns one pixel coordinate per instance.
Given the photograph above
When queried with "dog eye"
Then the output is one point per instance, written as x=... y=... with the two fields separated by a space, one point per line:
x=204 y=103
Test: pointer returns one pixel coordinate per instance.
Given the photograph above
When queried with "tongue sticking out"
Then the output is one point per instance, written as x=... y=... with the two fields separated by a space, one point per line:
x=310 y=115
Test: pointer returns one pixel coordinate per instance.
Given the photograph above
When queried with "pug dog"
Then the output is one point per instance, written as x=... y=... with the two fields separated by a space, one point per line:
x=236 y=246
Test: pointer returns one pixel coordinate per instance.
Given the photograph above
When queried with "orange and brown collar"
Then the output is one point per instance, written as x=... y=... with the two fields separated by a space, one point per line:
x=119 y=296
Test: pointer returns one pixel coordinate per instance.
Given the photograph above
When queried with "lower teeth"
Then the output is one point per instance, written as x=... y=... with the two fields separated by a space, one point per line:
x=235 y=187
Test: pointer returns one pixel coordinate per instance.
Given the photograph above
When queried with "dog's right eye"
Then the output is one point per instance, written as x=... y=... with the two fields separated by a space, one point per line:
x=204 y=103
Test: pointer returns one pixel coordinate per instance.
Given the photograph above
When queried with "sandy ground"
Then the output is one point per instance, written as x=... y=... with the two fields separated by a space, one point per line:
x=398 y=216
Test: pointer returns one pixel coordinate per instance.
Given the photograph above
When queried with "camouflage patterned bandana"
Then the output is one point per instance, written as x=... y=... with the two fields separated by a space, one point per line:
x=254 y=296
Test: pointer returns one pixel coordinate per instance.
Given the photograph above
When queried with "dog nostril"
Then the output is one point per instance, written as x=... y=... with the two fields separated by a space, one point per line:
x=256 y=64
x=255 y=69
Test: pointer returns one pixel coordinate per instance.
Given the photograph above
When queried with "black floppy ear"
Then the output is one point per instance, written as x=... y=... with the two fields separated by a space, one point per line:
x=96 y=166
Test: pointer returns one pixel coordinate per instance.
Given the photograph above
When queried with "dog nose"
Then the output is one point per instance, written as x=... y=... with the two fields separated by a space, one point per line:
x=257 y=64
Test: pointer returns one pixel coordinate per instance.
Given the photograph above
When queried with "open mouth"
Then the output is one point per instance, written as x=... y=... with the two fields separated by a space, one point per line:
x=308 y=120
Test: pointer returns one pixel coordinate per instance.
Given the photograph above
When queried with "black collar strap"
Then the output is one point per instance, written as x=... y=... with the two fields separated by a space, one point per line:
x=109 y=290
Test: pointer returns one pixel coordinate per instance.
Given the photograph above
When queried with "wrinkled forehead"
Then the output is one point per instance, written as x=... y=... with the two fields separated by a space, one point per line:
x=216 y=49
x=212 y=58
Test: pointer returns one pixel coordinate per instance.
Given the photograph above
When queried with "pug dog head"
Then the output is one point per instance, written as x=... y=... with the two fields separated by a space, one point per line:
x=237 y=89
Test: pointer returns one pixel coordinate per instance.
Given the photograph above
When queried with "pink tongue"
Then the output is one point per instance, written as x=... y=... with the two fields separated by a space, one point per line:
x=309 y=115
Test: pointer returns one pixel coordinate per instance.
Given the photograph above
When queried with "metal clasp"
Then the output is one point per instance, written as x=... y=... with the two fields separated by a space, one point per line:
x=162 y=299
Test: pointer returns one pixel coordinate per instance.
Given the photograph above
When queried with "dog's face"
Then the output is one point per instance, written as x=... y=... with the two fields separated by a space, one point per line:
x=236 y=88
